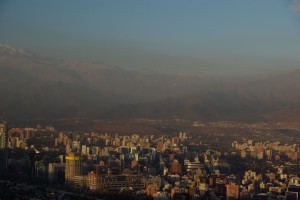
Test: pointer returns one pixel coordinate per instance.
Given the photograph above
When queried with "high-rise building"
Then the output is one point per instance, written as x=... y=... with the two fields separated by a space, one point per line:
x=2 y=135
x=232 y=191
x=175 y=167
x=56 y=172
x=73 y=166
x=3 y=148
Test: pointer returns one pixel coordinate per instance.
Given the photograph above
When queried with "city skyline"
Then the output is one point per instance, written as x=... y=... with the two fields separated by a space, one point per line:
x=150 y=100
x=207 y=160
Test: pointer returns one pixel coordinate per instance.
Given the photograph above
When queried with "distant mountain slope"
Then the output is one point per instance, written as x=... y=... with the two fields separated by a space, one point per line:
x=204 y=106
x=33 y=86
x=274 y=98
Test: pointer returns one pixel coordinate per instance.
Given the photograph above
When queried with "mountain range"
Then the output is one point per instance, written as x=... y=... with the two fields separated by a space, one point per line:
x=32 y=86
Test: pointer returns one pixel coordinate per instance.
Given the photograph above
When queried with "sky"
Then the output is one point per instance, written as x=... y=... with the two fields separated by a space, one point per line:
x=173 y=36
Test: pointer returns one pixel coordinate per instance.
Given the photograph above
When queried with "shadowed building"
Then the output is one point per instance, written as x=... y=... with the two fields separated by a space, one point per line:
x=56 y=172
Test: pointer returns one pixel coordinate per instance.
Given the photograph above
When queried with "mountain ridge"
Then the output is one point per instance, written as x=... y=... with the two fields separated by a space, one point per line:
x=35 y=86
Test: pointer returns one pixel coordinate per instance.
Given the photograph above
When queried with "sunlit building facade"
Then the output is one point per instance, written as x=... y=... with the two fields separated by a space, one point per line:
x=2 y=135
x=73 y=167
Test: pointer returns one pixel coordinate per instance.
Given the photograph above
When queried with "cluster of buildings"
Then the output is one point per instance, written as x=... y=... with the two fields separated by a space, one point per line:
x=163 y=167
x=158 y=166
x=278 y=185
x=18 y=137
x=267 y=150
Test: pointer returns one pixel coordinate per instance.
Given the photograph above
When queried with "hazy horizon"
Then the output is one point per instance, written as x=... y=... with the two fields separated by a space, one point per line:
x=210 y=37
x=241 y=59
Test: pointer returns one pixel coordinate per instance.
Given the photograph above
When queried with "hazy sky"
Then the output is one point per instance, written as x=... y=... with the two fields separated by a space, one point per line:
x=210 y=36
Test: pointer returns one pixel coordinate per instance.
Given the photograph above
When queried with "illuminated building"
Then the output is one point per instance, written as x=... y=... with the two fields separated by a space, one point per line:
x=175 y=167
x=73 y=167
x=3 y=148
x=2 y=135
x=115 y=183
x=232 y=191
x=193 y=166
